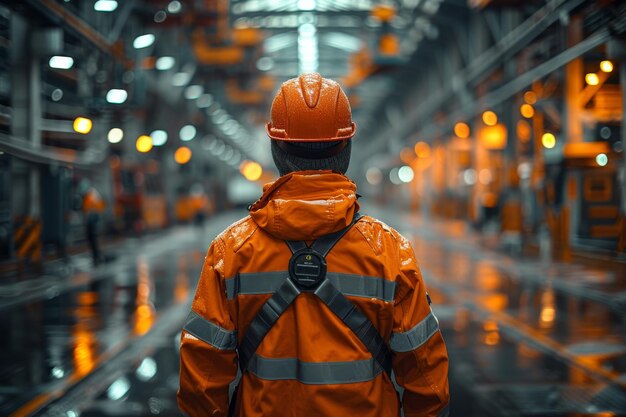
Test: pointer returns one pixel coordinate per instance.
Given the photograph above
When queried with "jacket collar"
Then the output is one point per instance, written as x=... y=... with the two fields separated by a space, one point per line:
x=305 y=205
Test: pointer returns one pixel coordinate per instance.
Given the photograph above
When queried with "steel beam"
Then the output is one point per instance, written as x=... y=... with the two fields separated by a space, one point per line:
x=74 y=24
x=484 y=64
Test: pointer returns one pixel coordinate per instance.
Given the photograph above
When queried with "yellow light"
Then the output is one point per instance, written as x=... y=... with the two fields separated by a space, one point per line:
x=606 y=66
x=490 y=118
x=182 y=155
x=462 y=130
x=527 y=111
x=422 y=149
x=592 y=78
x=251 y=170
x=530 y=97
x=83 y=125
x=548 y=140
x=144 y=143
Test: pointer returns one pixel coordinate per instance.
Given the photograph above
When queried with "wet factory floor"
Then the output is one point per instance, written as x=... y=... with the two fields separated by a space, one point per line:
x=526 y=336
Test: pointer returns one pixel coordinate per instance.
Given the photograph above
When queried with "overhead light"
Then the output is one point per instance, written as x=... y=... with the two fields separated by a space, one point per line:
x=251 y=170
x=592 y=78
x=187 y=133
x=115 y=135
x=58 y=372
x=82 y=125
x=204 y=101
x=469 y=176
x=193 y=92
x=530 y=97
x=485 y=176
x=174 y=7
x=527 y=111
x=144 y=143
x=159 y=137
x=462 y=130
x=146 y=370
x=105 y=5
x=117 y=96
x=548 y=140
x=118 y=389
x=180 y=79
x=143 y=41
x=306 y=5
x=422 y=150
x=606 y=66
x=374 y=176
x=57 y=94
x=160 y=16
x=61 y=62
x=490 y=118
x=265 y=63
x=165 y=63
x=308 y=52
x=406 y=174
x=394 y=177
x=182 y=155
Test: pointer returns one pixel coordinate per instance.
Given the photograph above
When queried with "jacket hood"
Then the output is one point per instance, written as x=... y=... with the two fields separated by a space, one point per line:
x=305 y=205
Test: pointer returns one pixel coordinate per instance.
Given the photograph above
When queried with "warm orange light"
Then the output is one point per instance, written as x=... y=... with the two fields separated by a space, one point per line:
x=144 y=319
x=548 y=140
x=523 y=131
x=182 y=155
x=606 y=66
x=530 y=97
x=592 y=78
x=422 y=149
x=407 y=155
x=527 y=111
x=490 y=118
x=492 y=338
x=462 y=130
x=144 y=143
x=82 y=125
x=251 y=170
x=493 y=137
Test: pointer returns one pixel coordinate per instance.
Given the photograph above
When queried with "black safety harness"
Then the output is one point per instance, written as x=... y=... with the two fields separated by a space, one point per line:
x=307 y=273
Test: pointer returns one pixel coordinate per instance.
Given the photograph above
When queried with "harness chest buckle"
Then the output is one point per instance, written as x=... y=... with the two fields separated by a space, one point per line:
x=307 y=269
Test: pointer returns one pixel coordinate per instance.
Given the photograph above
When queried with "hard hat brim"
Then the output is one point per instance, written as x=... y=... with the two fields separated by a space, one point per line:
x=281 y=134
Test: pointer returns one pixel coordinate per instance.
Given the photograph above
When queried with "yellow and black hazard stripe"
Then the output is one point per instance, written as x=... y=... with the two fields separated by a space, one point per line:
x=27 y=238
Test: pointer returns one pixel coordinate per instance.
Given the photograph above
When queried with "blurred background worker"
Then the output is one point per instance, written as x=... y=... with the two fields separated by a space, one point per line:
x=93 y=205
x=323 y=337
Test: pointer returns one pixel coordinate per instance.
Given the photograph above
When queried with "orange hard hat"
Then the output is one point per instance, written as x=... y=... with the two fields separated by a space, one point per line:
x=310 y=109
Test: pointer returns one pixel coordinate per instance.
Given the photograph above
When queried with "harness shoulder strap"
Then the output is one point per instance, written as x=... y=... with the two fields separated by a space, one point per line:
x=324 y=244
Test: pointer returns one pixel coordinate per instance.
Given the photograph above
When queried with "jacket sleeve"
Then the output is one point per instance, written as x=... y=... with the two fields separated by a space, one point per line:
x=420 y=359
x=208 y=359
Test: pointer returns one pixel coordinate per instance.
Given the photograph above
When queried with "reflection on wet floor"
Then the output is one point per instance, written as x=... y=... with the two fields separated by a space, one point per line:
x=526 y=337
x=529 y=337
x=61 y=353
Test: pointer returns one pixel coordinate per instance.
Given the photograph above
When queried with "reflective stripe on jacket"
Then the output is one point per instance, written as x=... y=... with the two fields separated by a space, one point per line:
x=310 y=363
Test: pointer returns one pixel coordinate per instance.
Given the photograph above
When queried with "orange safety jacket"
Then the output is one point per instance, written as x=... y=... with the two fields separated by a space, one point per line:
x=310 y=363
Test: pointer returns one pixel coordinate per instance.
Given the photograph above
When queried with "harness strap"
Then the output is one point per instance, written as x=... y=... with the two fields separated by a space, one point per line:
x=264 y=320
x=358 y=322
x=324 y=244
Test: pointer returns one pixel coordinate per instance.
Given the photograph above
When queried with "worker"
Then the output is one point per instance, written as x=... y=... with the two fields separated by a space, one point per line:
x=93 y=205
x=314 y=303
